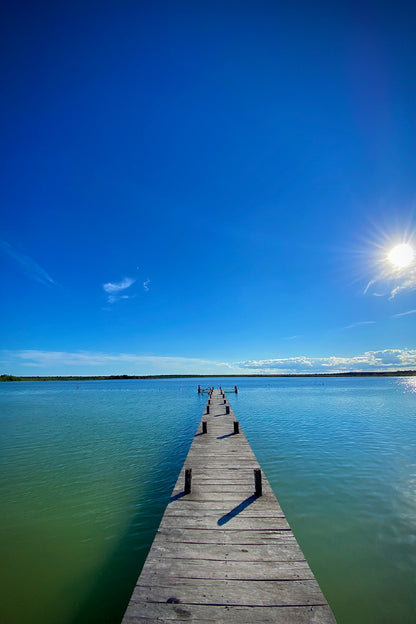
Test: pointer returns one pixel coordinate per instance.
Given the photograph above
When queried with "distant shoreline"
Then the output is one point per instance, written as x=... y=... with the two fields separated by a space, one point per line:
x=399 y=373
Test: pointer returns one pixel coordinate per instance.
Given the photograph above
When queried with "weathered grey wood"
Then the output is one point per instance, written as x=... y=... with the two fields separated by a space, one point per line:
x=231 y=570
x=243 y=593
x=236 y=522
x=195 y=509
x=224 y=551
x=228 y=552
x=241 y=538
x=148 y=613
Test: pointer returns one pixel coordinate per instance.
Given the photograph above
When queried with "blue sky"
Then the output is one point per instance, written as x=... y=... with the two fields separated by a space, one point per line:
x=205 y=187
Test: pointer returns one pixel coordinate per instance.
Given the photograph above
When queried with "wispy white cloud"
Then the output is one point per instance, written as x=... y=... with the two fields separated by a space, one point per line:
x=368 y=287
x=27 y=264
x=389 y=281
x=359 y=324
x=114 y=289
x=146 y=284
x=406 y=282
x=292 y=337
x=403 y=313
x=88 y=362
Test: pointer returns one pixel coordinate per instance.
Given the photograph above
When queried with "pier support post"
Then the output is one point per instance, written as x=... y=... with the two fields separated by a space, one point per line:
x=204 y=426
x=236 y=427
x=227 y=409
x=188 y=478
x=257 y=482
x=207 y=409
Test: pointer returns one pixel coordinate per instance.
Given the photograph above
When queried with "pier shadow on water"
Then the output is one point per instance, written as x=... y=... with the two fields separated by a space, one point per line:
x=108 y=594
x=234 y=512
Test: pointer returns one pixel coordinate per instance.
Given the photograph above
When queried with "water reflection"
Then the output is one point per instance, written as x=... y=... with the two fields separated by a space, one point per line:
x=408 y=383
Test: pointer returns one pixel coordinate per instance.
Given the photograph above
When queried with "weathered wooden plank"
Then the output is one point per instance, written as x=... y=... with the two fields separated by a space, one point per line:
x=231 y=570
x=228 y=552
x=148 y=613
x=240 y=537
x=225 y=521
x=198 y=509
x=198 y=494
x=243 y=593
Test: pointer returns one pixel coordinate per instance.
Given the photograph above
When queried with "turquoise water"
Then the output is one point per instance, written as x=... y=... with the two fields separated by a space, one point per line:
x=87 y=468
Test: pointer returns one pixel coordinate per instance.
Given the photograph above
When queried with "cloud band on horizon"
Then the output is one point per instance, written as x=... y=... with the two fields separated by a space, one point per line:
x=62 y=362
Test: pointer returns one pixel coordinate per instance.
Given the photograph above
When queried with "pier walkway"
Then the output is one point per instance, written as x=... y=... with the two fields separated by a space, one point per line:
x=224 y=554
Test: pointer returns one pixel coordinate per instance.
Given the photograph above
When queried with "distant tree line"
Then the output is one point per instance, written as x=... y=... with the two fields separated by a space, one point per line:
x=399 y=373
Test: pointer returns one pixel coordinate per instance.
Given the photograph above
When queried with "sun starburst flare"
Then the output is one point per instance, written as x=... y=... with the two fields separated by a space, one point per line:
x=392 y=264
x=401 y=256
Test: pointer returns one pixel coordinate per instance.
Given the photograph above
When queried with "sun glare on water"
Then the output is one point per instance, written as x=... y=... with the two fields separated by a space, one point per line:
x=401 y=256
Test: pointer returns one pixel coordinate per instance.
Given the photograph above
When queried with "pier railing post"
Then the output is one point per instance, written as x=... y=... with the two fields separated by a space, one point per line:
x=257 y=482
x=236 y=427
x=188 y=478
x=204 y=426
x=207 y=409
x=227 y=409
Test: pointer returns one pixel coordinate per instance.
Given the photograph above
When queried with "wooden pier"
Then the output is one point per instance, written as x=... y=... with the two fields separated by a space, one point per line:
x=224 y=551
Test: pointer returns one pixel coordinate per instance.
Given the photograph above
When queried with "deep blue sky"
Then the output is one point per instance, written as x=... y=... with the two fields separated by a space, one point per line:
x=207 y=187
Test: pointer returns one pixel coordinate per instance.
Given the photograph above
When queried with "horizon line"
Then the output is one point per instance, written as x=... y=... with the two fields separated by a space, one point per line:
x=389 y=373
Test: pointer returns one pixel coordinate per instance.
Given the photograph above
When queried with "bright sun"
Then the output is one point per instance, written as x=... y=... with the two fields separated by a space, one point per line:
x=401 y=255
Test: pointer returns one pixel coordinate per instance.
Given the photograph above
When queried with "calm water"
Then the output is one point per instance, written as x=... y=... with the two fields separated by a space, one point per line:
x=87 y=469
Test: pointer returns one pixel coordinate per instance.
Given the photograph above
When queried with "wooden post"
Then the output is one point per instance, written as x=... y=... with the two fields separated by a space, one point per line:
x=225 y=401
x=235 y=389
x=199 y=388
x=204 y=426
x=207 y=409
x=257 y=482
x=236 y=427
x=227 y=409
x=188 y=478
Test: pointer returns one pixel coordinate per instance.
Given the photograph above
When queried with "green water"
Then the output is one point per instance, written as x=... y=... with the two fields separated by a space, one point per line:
x=87 y=468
